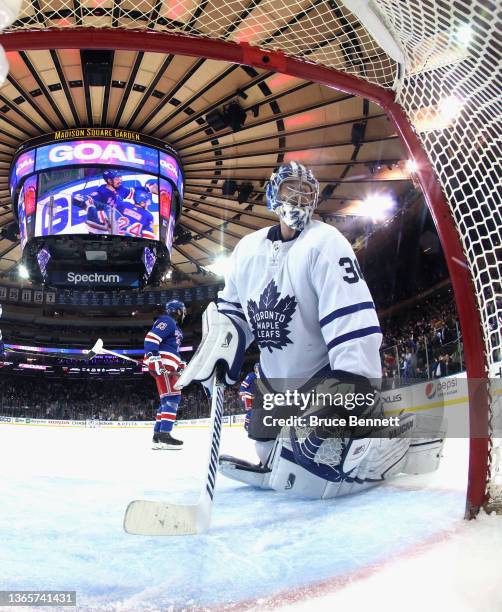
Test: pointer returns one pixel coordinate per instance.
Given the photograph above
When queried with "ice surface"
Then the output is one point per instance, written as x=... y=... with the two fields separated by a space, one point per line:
x=401 y=546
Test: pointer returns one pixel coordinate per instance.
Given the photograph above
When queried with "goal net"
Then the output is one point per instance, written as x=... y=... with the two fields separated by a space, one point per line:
x=435 y=62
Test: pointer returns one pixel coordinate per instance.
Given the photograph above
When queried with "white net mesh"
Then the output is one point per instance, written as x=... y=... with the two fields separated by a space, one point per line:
x=450 y=93
x=447 y=87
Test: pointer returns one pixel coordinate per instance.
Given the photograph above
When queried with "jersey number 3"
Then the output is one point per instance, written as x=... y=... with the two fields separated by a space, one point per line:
x=353 y=272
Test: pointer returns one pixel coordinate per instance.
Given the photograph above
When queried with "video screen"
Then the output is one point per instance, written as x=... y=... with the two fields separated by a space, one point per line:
x=97 y=200
x=167 y=213
x=102 y=152
x=27 y=207
x=25 y=164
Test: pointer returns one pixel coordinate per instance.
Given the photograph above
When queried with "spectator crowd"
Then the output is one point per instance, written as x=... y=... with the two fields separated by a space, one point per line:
x=422 y=344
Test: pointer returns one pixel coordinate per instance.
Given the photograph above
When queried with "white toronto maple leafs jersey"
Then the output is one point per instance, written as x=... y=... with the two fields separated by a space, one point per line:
x=305 y=302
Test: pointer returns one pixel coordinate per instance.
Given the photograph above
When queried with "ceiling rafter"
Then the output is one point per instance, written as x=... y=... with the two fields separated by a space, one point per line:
x=41 y=85
x=160 y=73
x=345 y=143
x=206 y=234
x=239 y=211
x=216 y=81
x=87 y=94
x=265 y=121
x=193 y=261
x=127 y=90
x=225 y=219
x=252 y=202
x=265 y=101
x=220 y=102
x=64 y=83
x=313 y=128
x=179 y=84
x=240 y=18
x=196 y=14
x=213 y=227
x=106 y=98
x=272 y=166
x=77 y=8
x=12 y=105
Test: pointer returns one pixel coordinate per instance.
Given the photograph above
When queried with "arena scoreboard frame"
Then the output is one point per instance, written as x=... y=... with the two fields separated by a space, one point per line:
x=96 y=207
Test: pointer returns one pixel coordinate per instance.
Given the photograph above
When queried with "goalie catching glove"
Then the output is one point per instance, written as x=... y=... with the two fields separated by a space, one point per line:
x=223 y=342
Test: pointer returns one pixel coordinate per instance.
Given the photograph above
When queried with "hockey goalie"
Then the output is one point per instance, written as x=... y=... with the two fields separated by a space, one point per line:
x=297 y=290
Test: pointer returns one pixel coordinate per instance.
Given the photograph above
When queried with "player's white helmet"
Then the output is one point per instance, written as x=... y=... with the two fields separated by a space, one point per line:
x=292 y=193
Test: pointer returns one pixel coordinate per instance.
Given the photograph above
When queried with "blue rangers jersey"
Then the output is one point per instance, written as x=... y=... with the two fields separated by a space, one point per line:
x=165 y=339
x=246 y=390
x=134 y=220
x=305 y=303
x=100 y=204
x=129 y=219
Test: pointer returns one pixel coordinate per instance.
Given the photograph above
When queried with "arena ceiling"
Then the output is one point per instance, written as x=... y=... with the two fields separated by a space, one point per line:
x=348 y=141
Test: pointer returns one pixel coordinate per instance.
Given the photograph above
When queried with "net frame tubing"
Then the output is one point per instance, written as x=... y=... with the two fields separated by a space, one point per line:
x=458 y=267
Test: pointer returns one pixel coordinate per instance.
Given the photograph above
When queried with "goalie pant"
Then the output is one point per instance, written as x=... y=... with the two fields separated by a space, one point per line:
x=360 y=463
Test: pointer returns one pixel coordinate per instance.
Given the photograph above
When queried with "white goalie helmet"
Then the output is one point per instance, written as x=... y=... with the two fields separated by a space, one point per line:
x=292 y=193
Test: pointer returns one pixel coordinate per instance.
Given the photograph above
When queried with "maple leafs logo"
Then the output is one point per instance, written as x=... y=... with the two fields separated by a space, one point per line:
x=270 y=318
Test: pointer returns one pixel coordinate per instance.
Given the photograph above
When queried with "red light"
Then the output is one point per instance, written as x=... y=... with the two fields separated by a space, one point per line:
x=302 y=156
x=279 y=80
x=177 y=8
x=304 y=119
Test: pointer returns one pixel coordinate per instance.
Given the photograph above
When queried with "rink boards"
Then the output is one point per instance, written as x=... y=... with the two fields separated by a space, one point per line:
x=434 y=397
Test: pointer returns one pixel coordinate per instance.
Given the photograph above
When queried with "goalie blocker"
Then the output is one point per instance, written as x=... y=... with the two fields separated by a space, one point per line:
x=223 y=344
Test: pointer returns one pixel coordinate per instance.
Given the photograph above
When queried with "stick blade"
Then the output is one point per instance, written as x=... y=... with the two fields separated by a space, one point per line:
x=96 y=349
x=159 y=519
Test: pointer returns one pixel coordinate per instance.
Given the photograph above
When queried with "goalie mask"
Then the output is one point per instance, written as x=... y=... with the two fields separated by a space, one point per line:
x=292 y=193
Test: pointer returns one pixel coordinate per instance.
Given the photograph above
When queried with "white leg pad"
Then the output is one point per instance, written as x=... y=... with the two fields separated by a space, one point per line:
x=424 y=455
x=242 y=471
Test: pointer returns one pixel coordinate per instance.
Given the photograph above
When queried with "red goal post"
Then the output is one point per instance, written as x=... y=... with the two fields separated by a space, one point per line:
x=443 y=54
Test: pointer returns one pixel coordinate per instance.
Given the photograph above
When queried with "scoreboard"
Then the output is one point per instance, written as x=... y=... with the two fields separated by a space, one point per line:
x=121 y=186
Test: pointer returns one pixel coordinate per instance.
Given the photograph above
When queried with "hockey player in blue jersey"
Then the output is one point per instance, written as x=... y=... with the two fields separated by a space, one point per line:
x=162 y=356
x=246 y=393
x=297 y=290
x=134 y=219
x=101 y=203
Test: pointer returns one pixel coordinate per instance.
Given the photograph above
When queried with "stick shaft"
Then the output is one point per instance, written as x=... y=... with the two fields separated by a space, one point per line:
x=126 y=357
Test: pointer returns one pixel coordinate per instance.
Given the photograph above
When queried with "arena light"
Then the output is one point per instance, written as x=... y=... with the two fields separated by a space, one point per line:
x=411 y=166
x=22 y=270
x=464 y=35
x=220 y=266
x=450 y=107
x=9 y=12
x=4 y=66
x=377 y=206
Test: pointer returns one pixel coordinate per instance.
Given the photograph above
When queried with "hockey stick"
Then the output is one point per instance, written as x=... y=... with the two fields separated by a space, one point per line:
x=159 y=518
x=98 y=349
